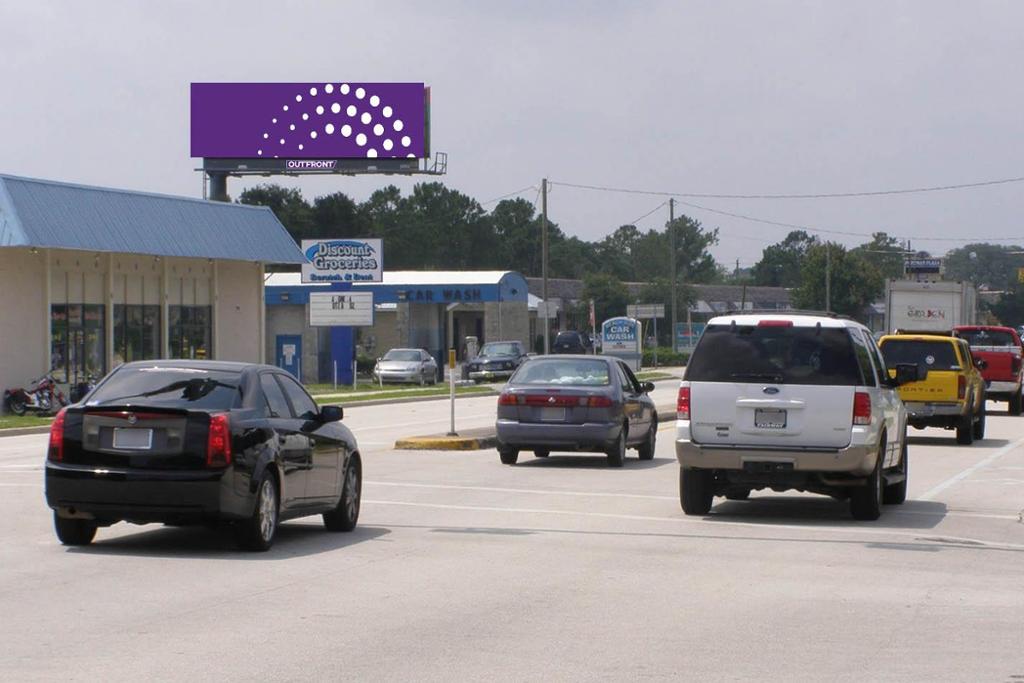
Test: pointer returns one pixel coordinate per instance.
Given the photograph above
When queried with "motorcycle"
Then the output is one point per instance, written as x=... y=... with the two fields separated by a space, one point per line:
x=43 y=396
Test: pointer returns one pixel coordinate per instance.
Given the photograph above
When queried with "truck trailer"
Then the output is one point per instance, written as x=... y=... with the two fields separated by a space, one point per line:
x=937 y=307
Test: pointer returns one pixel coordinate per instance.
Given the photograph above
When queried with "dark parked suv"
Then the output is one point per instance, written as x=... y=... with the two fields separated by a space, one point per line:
x=569 y=342
x=200 y=442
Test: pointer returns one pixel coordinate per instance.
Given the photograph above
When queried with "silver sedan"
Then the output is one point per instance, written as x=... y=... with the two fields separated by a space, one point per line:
x=406 y=365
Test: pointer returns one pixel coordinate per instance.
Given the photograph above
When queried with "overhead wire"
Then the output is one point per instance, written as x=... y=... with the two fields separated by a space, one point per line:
x=814 y=195
x=510 y=194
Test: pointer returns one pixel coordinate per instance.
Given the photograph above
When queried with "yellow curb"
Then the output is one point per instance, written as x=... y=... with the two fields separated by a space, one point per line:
x=444 y=443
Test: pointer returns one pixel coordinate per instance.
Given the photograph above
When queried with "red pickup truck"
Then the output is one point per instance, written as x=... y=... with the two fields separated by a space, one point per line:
x=1001 y=349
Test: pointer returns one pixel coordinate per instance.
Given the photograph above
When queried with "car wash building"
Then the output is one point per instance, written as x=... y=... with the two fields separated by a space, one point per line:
x=420 y=309
x=92 y=277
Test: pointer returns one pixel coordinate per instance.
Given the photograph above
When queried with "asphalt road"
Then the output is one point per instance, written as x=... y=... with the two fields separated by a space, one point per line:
x=554 y=569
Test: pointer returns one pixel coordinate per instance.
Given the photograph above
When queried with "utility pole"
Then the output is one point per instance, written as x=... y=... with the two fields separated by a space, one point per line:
x=544 y=259
x=828 y=279
x=672 y=266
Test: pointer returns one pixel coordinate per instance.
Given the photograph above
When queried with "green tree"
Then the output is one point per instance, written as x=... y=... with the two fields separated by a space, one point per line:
x=1009 y=309
x=517 y=236
x=337 y=215
x=986 y=265
x=694 y=262
x=855 y=281
x=886 y=253
x=288 y=205
x=610 y=295
x=615 y=252
x=781 y=263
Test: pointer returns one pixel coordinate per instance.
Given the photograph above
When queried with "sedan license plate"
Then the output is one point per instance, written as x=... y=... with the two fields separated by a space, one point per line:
x=133 y=439
x=769 y=418
x=552 y=414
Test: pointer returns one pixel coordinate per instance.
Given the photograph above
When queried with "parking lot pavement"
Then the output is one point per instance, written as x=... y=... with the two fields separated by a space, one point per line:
x=553 y=569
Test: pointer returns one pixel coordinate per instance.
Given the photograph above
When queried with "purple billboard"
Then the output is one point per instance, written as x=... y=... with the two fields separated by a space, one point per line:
x=308 y=120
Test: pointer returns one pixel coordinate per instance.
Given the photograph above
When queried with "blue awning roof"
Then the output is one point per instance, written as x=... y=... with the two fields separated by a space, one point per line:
x=44 y=213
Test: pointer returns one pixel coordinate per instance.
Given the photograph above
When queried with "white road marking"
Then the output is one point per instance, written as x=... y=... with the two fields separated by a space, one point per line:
x=509 y=490
x=932 y=493
x=597 y=494
x=851 y=530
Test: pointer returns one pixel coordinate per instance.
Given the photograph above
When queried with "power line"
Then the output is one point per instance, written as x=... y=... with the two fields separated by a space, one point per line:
x=505 y=197
x=637 y=220
x=820 y=195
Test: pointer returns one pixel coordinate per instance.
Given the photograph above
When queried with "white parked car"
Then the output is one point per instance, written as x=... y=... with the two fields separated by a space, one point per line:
x=791 y=401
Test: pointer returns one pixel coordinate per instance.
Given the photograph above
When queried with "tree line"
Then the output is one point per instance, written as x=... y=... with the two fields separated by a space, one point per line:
x=437 y=228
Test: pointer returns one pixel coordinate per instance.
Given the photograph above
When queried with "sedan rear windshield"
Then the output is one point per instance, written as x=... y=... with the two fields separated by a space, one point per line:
x=192 y=389
x=987 y=337
x=563 y=373
x=775 y=354
x=935 y=355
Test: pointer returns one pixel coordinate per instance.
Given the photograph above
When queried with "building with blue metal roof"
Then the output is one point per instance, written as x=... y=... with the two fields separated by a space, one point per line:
x=91 y=277
x=432 y=310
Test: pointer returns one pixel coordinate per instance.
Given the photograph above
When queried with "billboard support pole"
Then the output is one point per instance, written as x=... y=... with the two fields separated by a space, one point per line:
x=219 y=187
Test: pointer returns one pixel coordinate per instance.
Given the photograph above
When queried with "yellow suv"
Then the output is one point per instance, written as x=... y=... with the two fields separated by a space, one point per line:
x=952 y=395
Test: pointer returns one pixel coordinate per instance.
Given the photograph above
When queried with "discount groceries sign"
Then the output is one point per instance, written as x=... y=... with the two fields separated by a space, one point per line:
x=348 y=260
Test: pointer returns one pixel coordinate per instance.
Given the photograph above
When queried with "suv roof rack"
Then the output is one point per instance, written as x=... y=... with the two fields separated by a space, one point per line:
x=773 y=311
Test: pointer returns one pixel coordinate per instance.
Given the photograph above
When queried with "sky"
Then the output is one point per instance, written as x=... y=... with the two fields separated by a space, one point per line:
x=716 y=97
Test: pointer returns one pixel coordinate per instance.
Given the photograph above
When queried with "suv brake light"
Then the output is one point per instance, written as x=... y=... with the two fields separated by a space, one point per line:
x=683 y=404
x=218 y=441
x=775 y=323
x=861 y=408
x=961 y=387
x=56 y=450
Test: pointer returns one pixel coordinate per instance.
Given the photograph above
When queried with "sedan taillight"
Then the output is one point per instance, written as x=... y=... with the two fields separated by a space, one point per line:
x=599 y=402
x=861 y=408
x=683 y=403
x=218 y=441
x=56 y=450
x=506 y=399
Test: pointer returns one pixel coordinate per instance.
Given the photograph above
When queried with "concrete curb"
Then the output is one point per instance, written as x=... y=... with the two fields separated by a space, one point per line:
x=22 y=431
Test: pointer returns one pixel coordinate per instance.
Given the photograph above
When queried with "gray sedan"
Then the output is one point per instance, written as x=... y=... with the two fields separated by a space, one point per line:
x=576 y=403
x=406 y=365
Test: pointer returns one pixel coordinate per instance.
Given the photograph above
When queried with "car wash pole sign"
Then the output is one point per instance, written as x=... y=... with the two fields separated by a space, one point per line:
x=343 y=260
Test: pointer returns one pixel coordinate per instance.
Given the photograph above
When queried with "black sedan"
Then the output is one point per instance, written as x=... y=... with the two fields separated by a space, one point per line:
x=576 y=403
x=200 y=442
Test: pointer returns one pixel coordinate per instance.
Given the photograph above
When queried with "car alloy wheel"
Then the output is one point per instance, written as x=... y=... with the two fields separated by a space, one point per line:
x=267 y=511
x=353 y=489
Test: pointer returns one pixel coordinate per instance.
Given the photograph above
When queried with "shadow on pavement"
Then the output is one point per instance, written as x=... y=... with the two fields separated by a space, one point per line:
x=917 y=544
x=594 y=461
x=292 y=540
x=949 y=441
x=821 y=511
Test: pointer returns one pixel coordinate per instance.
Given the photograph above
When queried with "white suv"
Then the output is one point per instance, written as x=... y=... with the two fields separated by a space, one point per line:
x=791 y=401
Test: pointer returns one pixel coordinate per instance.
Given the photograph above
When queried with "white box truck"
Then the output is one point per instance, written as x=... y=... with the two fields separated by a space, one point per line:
x=932 y=307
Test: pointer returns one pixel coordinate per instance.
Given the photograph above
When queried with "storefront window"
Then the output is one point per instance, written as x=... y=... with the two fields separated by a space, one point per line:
x=136 y=333
x=190 y=331
x=77 y=342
